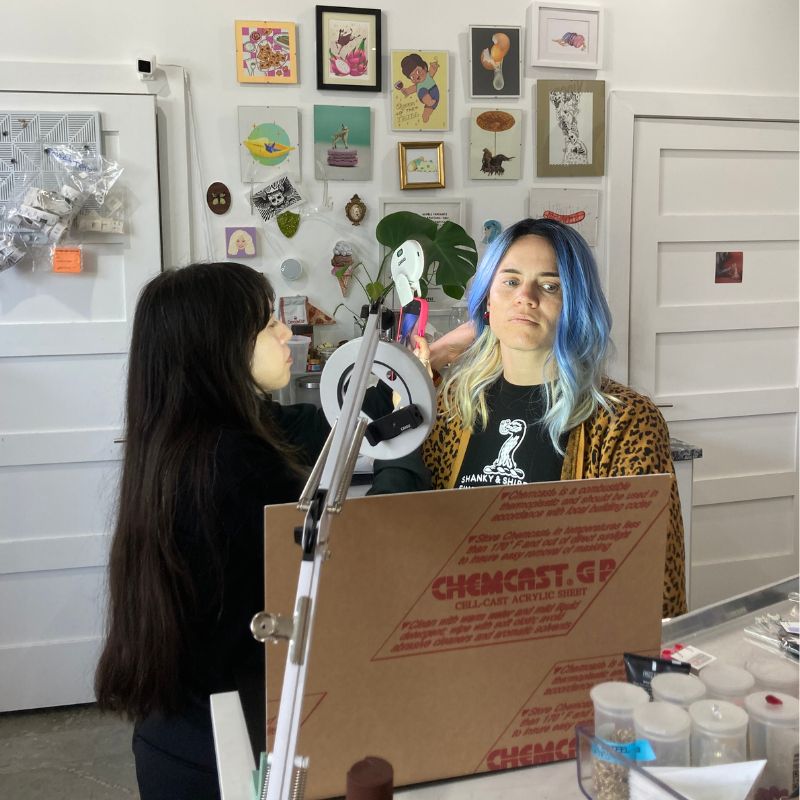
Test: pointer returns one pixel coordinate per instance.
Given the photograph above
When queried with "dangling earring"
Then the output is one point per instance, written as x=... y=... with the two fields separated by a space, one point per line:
x=486 y=316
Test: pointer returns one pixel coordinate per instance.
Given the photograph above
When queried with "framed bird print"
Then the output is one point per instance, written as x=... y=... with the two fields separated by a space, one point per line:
x=495 y=144
x=268 y=142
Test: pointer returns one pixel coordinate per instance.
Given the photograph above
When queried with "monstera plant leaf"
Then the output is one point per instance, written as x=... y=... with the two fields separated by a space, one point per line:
x=450 y=253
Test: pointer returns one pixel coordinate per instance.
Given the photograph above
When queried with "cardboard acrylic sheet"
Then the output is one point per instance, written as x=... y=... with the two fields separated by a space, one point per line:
x=460 y=631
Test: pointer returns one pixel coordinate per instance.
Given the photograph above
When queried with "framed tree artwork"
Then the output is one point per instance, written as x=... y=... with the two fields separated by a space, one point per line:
x=570 y=128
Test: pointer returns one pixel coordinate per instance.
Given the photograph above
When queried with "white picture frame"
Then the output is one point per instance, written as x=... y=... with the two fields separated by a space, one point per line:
x=566 y=204
x=566 y=35
x=441 y=210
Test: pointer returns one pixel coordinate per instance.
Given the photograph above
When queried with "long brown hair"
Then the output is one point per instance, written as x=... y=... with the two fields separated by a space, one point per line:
x=189 y=376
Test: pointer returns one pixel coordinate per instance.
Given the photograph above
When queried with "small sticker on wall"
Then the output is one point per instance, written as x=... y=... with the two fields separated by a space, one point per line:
x=240 y=242
x=729 y=267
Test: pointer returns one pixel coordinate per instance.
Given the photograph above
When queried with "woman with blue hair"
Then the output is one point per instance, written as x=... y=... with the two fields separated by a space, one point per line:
x=528 y=400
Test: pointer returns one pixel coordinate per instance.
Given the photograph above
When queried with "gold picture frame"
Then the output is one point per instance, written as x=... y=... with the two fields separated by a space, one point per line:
x=570 y=128
x=421 y=165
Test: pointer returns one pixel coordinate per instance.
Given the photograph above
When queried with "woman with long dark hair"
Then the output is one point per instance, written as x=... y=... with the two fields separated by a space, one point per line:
x=528 y=398
x=205 y=451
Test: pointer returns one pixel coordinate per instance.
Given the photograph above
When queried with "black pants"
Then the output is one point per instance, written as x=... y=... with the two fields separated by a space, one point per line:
x=175 y=757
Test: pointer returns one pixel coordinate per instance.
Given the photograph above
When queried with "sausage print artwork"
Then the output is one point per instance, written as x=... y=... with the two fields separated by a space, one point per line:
x=574 y=207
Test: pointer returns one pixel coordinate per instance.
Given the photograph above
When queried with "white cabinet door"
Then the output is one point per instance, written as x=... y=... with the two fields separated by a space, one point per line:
x=722 y=357
x=63 y=347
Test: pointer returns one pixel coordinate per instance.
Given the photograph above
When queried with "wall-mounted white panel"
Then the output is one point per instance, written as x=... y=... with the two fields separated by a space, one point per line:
x=44 y=296
x=69 y=391
x=750 y=529
x=686 y=273
x=741 y=446
x=728 y=182
x=35 y=499
x=715 y=361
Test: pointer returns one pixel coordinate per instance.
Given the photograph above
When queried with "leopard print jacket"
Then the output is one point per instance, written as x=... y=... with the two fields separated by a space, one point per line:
x=632 y=440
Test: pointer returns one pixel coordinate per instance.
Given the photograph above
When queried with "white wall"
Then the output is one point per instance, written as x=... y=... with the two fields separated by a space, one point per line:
x=715 y=46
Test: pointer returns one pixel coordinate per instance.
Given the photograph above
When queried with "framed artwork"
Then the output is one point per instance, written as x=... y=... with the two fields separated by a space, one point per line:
x=349 y=48
x=495 y=144
x=421 y=165
x=570 y=128
x=266 y=52
x=269 y=141
x=495 y=61
x=241 y=242
x=420 y=90
x=440 y=211
x=566 y=35
x=342 y=143
x=577 y=208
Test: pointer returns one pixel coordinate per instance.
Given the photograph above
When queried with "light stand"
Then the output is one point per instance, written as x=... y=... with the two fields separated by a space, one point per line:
x=323 y=497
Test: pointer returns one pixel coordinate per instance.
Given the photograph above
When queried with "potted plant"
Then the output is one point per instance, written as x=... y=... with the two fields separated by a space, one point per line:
x=450 y=256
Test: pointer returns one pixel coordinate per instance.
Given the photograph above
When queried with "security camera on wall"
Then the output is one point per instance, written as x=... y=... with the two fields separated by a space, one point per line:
x=146 y=66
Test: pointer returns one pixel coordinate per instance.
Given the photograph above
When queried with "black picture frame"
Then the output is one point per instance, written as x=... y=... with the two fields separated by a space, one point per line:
x=339 y=66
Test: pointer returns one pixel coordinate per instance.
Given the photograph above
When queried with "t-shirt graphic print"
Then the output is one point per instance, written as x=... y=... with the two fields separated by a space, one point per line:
x=514 y=447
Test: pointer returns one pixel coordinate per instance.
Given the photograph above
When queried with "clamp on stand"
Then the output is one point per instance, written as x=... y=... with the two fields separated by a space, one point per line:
x=343 y=385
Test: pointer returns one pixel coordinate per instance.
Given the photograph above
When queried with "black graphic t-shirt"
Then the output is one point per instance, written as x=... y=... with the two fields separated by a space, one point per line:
x=515 y=447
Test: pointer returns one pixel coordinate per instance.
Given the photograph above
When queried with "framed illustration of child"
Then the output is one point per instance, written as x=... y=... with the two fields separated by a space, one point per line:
x=420 y=90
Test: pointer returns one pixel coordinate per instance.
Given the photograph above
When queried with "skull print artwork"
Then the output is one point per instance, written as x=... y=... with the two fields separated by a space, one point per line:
x=276 y=197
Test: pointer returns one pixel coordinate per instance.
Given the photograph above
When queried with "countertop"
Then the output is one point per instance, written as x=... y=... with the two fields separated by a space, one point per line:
x=682 y=451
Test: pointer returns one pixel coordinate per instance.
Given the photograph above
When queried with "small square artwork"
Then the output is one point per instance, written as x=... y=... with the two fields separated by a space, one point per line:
x=420 y=90
x=729 y=267
x=241 y=242
x=495 y=144
x=276 y=197
x=577 y=208
x=266 y=52
x=342 y=143
x=269 y=142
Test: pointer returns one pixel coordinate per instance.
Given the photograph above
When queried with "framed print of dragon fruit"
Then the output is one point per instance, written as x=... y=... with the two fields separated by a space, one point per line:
x=348 y=48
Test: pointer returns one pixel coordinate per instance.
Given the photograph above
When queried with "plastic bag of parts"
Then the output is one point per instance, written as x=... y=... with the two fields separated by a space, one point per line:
x=110 y=217
x=37 y=219
x=89 y=174
x=12 y=251
x=41 y=217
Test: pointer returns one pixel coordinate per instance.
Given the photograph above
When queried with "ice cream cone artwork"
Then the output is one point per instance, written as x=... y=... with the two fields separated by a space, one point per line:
x=342 y=265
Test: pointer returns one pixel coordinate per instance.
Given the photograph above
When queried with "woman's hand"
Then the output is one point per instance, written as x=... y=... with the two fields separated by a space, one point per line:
x=423 y=352
x=450 y=346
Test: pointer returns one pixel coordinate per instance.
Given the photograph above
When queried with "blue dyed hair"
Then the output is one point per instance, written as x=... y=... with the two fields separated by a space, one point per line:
x=582 y=340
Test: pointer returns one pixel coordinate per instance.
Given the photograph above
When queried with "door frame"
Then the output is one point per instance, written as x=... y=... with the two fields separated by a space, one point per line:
x=624 y=109
x=173 y=102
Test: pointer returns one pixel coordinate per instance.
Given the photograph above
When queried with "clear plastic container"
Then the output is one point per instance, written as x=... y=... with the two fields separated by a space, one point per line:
x=614 y=702
x=719 y=733
x=666 y=727
x=773 y=735
x=298 y=346
x=674 y=687
x=726 y=682
x=774 y=675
